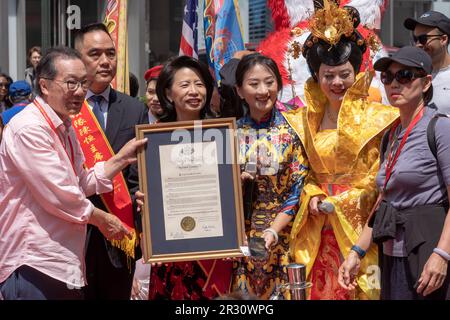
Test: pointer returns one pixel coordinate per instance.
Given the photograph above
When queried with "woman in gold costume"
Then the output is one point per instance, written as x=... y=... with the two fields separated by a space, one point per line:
x=341 y=132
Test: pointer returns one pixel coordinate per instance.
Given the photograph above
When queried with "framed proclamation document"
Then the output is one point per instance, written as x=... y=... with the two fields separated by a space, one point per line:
x=190 y=176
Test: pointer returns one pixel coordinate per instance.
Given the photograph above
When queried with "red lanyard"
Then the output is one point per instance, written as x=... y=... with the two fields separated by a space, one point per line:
x=390 y=163
x=50 y=123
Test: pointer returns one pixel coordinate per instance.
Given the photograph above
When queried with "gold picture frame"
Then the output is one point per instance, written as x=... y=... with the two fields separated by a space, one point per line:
x=190 y=176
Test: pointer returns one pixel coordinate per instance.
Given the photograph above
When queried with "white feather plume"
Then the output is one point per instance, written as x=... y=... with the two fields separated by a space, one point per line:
x=299 y=10
x=370 y=12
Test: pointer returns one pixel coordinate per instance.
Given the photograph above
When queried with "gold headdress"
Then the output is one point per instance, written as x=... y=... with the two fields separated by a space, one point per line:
x=334 y=38
x=331 y=23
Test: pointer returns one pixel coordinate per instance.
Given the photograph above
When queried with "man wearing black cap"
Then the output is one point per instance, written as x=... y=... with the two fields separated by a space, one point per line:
x=431 y=32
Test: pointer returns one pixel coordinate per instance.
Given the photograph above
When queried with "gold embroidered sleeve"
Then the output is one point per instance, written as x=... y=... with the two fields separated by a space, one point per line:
x=354 y=205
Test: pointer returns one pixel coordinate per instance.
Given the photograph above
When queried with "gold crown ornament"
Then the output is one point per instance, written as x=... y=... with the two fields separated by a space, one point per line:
x=331 y=23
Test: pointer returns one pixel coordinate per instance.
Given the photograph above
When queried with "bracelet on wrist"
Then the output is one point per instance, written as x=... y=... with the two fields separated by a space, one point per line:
x=442 y=253
x=361 y=252
x=272 y=231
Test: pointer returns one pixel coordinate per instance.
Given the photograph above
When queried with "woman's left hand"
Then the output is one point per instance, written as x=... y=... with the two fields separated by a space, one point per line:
x=433 y=274
x=349 y=270
x=314 y=203
x=140 y=196
x=270 y=239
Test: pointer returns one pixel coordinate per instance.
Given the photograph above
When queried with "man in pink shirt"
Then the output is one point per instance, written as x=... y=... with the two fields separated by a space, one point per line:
x=43 y=188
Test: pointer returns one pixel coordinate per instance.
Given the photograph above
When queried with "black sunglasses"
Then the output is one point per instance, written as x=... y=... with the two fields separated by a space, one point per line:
x=402 y=76
x=423 y=38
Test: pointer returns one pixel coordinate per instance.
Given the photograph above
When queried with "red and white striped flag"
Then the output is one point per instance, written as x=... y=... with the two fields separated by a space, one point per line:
x=188 y=45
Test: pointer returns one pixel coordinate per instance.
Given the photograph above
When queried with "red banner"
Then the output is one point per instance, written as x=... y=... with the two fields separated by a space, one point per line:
x=96 y=148
x=116 y=22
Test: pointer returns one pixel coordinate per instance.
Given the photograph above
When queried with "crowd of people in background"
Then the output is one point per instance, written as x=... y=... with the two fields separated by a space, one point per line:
x=356 y=183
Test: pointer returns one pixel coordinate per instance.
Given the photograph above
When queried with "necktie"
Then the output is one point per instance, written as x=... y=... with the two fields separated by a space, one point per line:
x=97 y=111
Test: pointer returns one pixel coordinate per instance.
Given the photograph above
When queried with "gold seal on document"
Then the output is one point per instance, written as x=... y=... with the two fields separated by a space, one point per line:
x=188 y=223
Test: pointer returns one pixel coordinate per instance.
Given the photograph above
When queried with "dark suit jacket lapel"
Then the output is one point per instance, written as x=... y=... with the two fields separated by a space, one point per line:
x=114 y=116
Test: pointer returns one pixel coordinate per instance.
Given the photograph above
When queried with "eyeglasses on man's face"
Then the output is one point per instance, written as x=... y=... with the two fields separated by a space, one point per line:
x=73 y=85
x=423 y=38
x=403 y=76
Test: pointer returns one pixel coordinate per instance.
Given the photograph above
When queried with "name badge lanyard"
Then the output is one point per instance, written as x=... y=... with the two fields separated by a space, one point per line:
x=391 y=161
x=50 y=123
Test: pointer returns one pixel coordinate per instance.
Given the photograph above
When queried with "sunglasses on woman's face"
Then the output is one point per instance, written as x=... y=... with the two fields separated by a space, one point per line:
x=423 y=38
x=404 y=76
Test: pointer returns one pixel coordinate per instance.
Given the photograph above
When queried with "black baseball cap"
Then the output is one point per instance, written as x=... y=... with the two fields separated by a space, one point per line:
x=409 y=56
x=431 y=19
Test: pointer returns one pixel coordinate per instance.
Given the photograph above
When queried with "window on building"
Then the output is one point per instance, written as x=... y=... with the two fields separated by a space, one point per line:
x=46 y=20
x=393 y=33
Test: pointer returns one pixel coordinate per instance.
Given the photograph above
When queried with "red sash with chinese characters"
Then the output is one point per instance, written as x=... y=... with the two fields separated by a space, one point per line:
x=96 y=148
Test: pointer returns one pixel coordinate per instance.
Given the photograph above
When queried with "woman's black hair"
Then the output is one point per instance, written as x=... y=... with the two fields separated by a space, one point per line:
x=345 y=50
x=134 y=85
x=251 y=60
x=351 y=49
x=10 y=81
x=428 y=96
x=8 y=78
x=165 y=81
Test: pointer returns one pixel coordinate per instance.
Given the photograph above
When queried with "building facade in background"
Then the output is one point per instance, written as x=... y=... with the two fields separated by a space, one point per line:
x=154 y=27
x=259 y=21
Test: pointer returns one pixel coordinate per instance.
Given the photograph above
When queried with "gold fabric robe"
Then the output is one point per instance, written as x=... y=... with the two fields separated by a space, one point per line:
x=352 y=161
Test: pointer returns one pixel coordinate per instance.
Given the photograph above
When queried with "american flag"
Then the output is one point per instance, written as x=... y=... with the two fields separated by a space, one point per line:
x=188 y=44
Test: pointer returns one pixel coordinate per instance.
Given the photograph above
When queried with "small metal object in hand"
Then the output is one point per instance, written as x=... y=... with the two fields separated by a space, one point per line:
x=326 y=207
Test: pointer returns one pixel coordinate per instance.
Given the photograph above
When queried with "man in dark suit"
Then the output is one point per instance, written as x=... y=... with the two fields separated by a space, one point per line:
x=109 y=272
